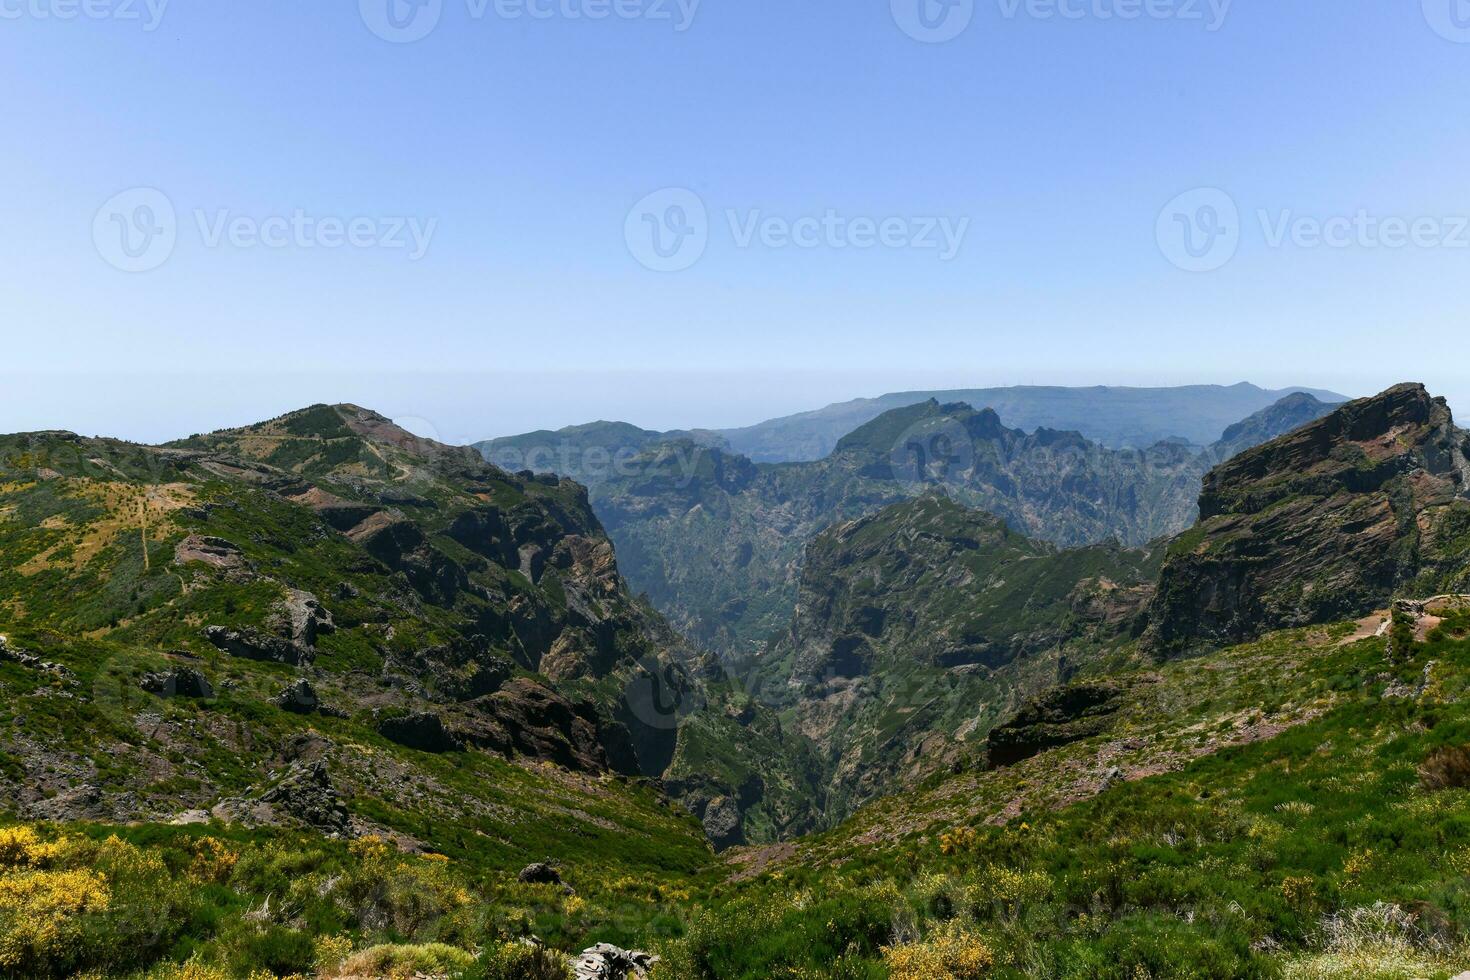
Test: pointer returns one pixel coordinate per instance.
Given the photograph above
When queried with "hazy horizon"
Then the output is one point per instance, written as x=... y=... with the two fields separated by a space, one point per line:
x=469 y=407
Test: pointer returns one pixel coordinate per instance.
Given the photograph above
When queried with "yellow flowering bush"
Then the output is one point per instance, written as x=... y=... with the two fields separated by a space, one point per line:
x=951 y=952
x=41 y=916
x=213 y=860
x=957 y=841
x=23 y=847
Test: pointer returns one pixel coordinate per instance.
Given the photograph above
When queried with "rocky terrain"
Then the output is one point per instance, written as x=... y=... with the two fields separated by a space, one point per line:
x=1328 y=522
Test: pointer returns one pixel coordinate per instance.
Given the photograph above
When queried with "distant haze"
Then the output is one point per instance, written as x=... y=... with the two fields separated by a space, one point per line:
x=468 y=407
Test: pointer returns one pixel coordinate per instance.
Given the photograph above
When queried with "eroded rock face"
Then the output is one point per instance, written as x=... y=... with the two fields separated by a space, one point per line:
x=525 y=718
x=1326 y=523
x=421 y=730
x=1057 y=717
x=252 y=644
x=219 y=554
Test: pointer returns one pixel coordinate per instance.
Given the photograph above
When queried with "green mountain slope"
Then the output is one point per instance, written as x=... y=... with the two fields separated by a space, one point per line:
x=921 y=627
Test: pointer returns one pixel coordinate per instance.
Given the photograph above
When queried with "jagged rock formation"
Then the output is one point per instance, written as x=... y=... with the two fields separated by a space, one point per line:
x=420 y=730
x=608 y=962
x=1328 y=522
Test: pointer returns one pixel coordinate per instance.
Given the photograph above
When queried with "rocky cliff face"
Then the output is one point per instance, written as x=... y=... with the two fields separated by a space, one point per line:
x=1327 y=522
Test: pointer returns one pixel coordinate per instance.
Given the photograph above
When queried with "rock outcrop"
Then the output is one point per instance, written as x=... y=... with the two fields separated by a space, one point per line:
x=1058 y=717
x=306 y=794
x=608 y=962
x=420 y=730
x=253 y=644
x=1329 y=522
x=178 y=682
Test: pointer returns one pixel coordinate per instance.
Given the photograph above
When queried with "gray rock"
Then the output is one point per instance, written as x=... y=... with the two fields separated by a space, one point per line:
x=300 y=698
x=178 y=682
x=307 y=794
x=722 y=822
x=539 y=873
x=608 y=962
x=252 y=644
x=422 y=730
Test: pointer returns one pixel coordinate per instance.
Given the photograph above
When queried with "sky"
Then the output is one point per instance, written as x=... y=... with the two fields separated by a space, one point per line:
x=496 y=215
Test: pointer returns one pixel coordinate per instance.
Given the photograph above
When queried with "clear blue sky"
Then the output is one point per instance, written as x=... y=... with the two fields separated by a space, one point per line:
x=528 y=141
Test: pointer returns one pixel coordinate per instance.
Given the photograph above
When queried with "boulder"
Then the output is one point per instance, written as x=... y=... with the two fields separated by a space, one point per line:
x=421 y=730
x=608 y=962
x=252 y=644
x=307 y=794
x=539 y=873
x=722 y=823
x=299 y=698
x=177 y=682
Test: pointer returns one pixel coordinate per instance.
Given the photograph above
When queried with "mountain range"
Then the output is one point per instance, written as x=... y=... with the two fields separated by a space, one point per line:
x=1118 y=418
x=320 y=696
x=715 y=540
